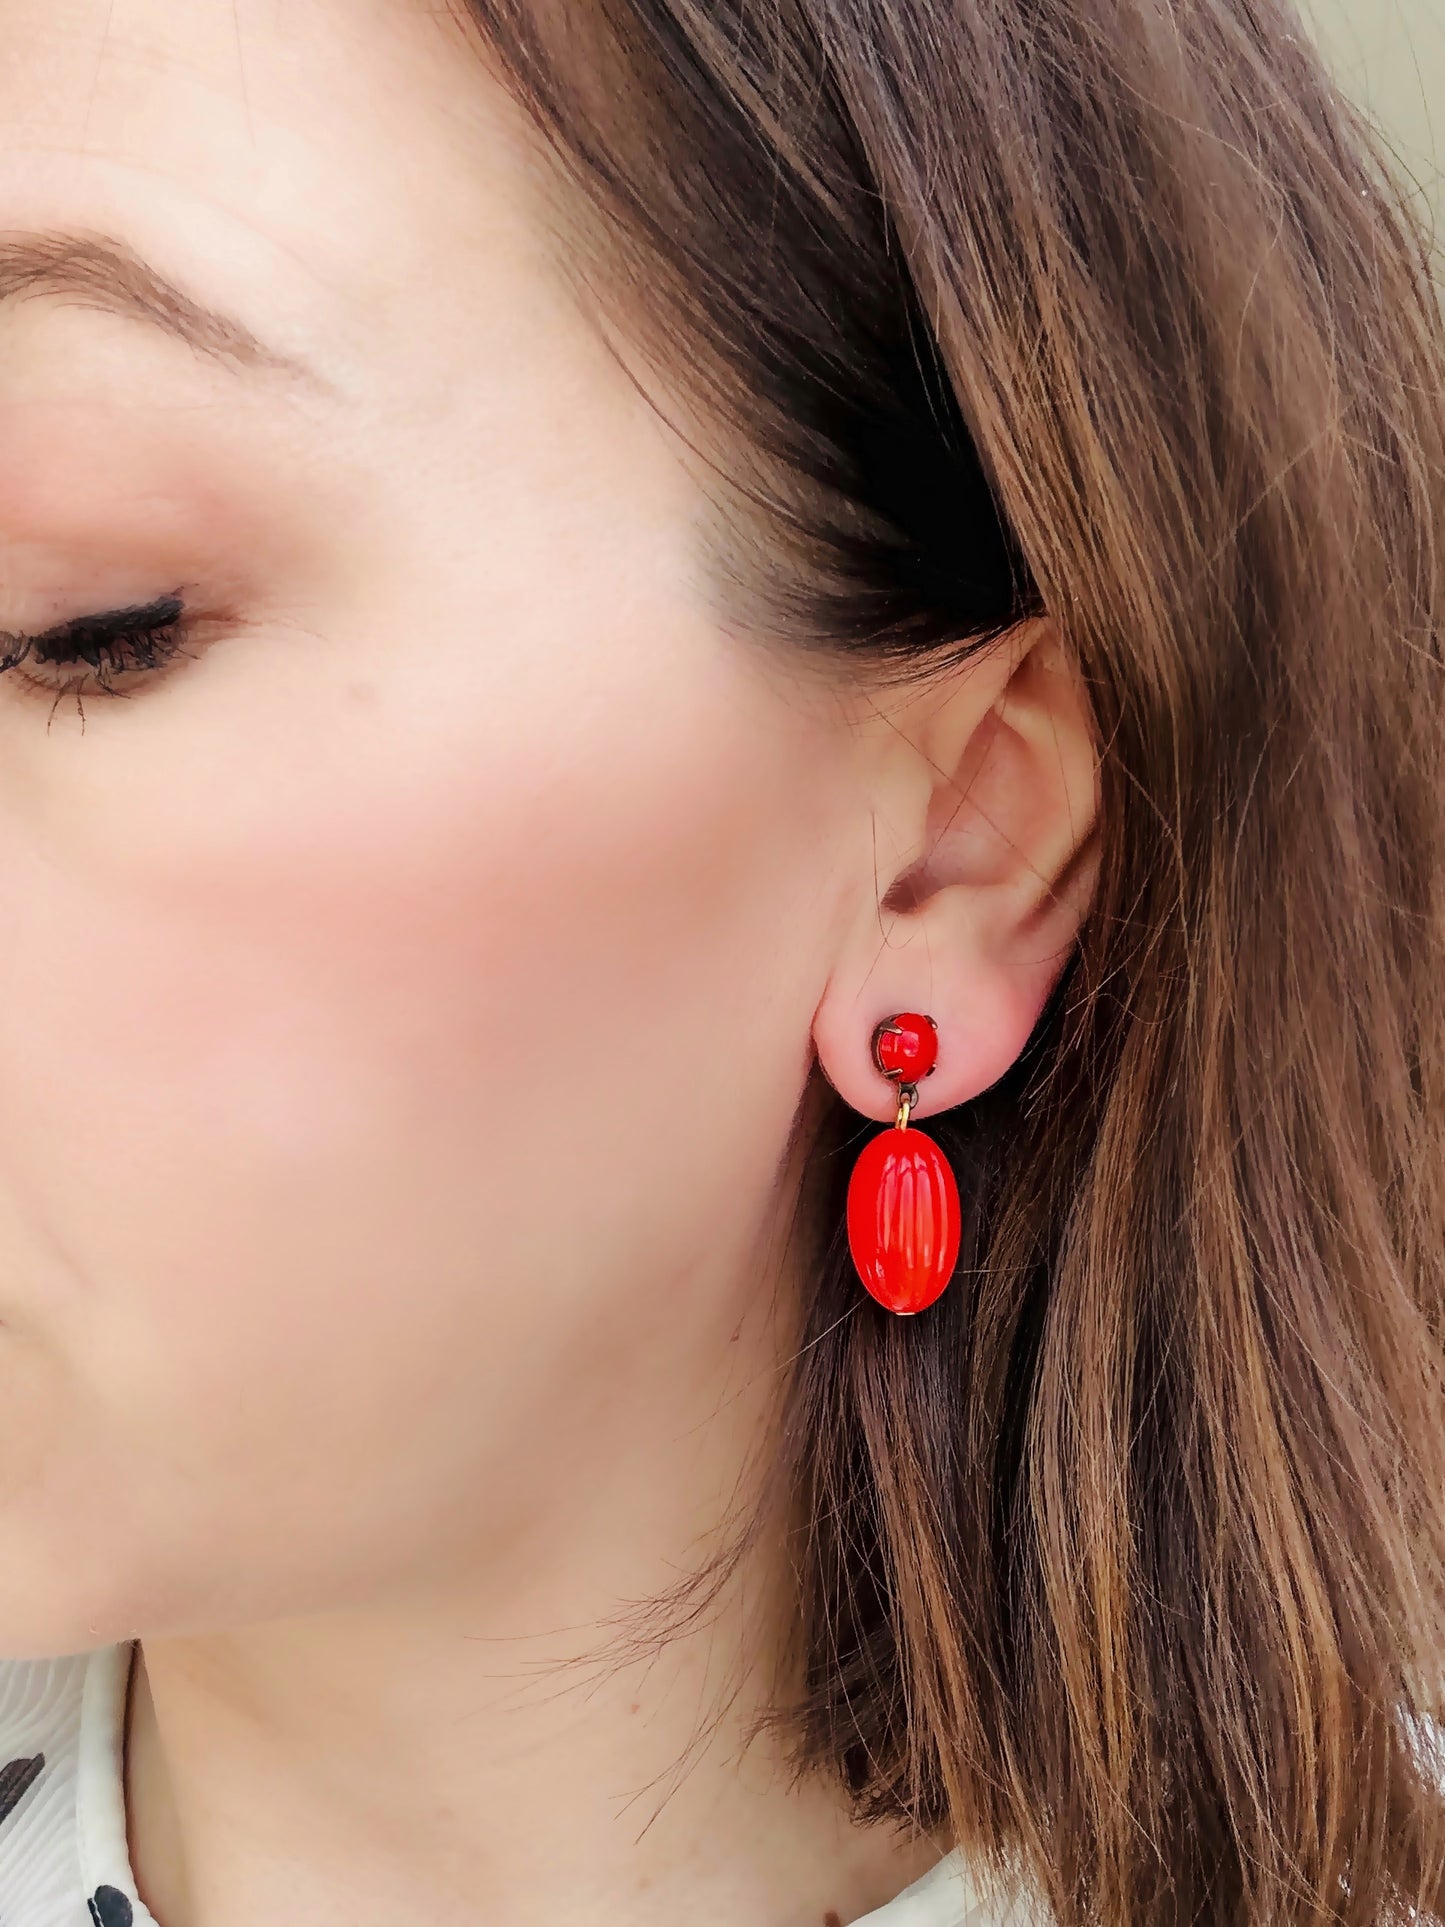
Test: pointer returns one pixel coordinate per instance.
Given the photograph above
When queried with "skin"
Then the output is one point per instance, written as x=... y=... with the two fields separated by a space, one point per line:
x=406 y=998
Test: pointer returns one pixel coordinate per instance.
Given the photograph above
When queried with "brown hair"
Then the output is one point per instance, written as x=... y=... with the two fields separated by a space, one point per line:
x=1126 y=1563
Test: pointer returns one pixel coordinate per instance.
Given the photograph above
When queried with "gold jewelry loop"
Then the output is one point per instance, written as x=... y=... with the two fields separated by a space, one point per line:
x=907 y=1097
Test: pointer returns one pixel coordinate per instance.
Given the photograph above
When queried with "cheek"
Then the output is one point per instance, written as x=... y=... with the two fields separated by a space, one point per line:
x=405 y=1089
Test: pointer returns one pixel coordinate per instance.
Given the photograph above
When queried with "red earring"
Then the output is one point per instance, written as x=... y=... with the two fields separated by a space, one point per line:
x=904 y=1220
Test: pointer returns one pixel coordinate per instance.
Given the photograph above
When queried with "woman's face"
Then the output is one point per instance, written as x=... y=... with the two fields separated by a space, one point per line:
x=404 y=996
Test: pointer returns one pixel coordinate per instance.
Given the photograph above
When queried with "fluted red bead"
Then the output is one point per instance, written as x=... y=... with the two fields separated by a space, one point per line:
x=904 y=1220
x=906 y=1046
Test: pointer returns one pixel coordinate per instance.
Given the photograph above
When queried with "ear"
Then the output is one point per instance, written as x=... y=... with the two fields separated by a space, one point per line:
x=976 y=862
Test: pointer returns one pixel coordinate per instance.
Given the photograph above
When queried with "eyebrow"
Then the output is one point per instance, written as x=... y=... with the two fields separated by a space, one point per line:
x=98 y=271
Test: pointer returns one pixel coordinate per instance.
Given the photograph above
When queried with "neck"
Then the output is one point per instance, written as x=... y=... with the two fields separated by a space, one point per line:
x=494 y=1743
x=397 y=1765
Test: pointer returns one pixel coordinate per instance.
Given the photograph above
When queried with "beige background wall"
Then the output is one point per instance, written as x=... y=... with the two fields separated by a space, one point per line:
x=1390 y=54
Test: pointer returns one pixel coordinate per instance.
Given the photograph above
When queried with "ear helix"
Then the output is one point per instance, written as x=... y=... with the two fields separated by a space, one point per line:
x=904 y=1219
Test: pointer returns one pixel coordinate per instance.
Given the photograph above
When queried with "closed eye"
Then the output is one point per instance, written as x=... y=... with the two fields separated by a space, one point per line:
x=135 y=642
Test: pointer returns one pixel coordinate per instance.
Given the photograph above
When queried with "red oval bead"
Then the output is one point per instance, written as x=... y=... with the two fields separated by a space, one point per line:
x=907 y=1048
x=904 y=1220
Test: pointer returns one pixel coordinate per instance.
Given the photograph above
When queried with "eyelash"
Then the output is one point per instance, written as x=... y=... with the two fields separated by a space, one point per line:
x=142 y=639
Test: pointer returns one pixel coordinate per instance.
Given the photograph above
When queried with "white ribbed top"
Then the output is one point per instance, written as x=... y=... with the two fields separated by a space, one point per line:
x=64 y=1861
x=63 y=1855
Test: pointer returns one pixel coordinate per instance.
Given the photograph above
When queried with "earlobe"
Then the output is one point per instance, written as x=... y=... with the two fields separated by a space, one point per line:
x=988 y=784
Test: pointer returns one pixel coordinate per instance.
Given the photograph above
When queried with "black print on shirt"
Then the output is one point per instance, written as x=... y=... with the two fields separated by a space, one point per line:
x=110 y=1908
x=15 y=1777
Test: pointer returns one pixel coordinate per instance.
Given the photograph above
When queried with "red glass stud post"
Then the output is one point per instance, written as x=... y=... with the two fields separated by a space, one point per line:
x=904 y=1219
